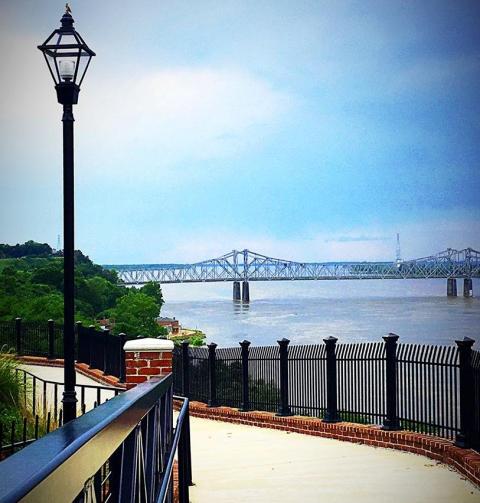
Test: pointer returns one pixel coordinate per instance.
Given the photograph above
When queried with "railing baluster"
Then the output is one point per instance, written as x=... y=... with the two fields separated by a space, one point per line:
x=331 y=414
x=391 y=421
x=185 y=370
x=34 y=395
x=92 y=347
x=51 y=339
x=55 y=400
x=44 y=398
x=245 y=406
x=24 y=436
x=82 y=397
x=284 y=409
x=105 y=368
x=18 y=335
x=463 y=438
x=212 y=388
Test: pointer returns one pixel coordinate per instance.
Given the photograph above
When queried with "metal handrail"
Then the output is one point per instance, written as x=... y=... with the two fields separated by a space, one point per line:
x=182 y=430
x=79 y=448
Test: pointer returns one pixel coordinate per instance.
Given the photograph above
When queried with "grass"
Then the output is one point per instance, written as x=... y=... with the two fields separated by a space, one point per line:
x=11 y=388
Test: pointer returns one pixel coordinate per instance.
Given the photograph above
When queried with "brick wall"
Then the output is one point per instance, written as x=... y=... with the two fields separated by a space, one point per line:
x=146 y=358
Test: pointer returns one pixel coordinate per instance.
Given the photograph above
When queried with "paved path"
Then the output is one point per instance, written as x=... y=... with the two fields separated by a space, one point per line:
x=236 y=463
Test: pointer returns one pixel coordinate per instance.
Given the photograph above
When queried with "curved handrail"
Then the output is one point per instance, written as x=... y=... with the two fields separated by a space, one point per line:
x=79 y=448
x=179 y=431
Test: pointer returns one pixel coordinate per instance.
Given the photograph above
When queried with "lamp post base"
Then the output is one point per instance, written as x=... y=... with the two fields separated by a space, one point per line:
x=69 y=402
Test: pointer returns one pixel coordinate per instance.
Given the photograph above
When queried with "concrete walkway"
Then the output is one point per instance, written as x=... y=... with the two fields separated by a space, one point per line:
x=237 y=463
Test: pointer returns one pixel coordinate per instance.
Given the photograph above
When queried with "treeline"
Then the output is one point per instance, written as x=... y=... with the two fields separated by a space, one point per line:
x=28 y=249
x=31 y=286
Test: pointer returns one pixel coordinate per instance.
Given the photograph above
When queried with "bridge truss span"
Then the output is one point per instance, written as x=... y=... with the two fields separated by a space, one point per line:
x=245 y=266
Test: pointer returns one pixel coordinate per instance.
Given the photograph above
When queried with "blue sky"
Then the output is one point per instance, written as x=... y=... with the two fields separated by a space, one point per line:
x=305 y=130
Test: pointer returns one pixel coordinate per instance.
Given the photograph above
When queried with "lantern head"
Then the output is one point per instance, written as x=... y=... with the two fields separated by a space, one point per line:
x=67 y=56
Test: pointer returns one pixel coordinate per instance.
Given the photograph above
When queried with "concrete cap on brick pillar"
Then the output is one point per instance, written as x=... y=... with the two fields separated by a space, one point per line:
x=148 y=344
x=146 y=358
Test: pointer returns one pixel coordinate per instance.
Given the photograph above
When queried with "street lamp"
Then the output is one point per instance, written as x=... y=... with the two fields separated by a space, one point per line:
x=68 y=57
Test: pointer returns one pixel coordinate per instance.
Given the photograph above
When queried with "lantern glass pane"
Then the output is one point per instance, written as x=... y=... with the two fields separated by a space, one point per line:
x=83 y=62
x=68 y=39
x=52 y=68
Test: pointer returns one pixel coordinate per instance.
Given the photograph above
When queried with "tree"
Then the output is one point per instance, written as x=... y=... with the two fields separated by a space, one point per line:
x=153 y=290
x=49 y=274
x=47 y=307
x=135 y=314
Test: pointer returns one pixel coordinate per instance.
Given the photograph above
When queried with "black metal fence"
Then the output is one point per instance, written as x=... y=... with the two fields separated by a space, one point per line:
x=98 y=349
x=122 y=451
x=423 y=388
x=42 y=409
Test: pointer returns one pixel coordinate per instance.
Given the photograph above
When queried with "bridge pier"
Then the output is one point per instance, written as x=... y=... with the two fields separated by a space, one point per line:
x=467 y=287
x=236 y=290
x=451 y=287
x=245 y=291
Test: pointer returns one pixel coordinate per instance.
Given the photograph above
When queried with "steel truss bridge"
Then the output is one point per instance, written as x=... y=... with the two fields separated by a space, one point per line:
x=245 y=266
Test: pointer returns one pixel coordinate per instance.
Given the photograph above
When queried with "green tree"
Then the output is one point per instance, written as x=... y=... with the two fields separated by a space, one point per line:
x=49 y=274
x=153 y=290
x=46 y=307
x=135 y=314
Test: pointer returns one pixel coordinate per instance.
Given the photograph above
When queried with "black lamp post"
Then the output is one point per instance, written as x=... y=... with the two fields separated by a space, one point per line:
x=68 y=57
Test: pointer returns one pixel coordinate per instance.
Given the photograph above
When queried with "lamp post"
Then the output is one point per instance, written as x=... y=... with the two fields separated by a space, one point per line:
x=68 y=57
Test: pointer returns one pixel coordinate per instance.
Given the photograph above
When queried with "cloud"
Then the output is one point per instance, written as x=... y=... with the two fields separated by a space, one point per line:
x=179 y=115
x=418 y=239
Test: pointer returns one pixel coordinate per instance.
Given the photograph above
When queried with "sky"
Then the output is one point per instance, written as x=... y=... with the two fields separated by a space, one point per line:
x=306 y=130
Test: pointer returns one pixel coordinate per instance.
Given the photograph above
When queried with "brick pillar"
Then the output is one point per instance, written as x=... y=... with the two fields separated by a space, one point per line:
x=145 y=358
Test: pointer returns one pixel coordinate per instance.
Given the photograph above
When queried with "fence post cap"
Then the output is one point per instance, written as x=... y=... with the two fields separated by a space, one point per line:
x=245 y=343
x=330 y=340
x=467 y=342
x=212 y=346
x=283 y=342
x=148 y=344
x=185 y=343
x=391 y=338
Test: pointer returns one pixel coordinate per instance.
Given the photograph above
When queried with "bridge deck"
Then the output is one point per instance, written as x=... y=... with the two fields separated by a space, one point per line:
x=251 y=266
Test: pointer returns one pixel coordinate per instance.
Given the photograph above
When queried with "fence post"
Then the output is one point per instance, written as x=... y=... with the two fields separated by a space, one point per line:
x=212 y=395
x=105 y=349
x=185 y=370
x=464 y=348
x=284 y=409
x=51 y=340
x=78 y=339
x=123 y=338
x=245 y=406
x=331 y=414
x=391 y=421
x=91 y=335
x=18 y=335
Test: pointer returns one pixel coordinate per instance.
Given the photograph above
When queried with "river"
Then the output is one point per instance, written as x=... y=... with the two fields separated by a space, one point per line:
x=308 y=311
